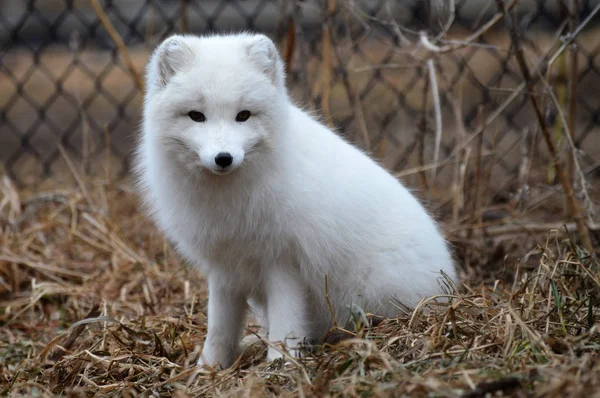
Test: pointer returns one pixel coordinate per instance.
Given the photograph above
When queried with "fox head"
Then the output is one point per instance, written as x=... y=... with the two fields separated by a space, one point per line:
x=214 y=102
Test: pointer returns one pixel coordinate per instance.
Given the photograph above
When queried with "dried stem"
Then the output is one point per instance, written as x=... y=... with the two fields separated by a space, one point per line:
x=562 y=176
x=469 y=39
x=302 y=56
x=76 y=175
x=329 y=305
x=352 y=95
x=116 y=38
x=476 y=215
x=461 y=166
x=290 y=46
x=184 y=17
x=423 y=132
x=543 y=66
x=577 y=170
x=435 y=94
x=326 y=63
x=572 y=85
x=107 y=159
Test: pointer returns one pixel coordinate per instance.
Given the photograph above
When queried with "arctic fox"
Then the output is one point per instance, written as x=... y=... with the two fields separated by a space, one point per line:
x=268 y=202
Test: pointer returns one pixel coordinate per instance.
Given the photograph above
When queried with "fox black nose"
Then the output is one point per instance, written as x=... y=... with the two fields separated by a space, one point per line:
x=224 y=159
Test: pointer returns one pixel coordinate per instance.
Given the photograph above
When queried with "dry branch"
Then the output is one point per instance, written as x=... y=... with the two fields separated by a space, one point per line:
x=116 y=38
x=302 y=56
x=469 y=40
x=572 y=81
x=75 y=174
x=577 y=170
x=326 y=63
x=542 y=67
x=435 y=94
x=562 y=176
x=184 y=17
x=352 y=95
x=290 y=46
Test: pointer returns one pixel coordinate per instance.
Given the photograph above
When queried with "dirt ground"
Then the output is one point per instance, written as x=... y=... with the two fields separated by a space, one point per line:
x=93 y=302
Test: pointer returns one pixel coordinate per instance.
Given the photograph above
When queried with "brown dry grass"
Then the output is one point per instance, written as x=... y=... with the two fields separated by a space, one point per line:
x=94 y=303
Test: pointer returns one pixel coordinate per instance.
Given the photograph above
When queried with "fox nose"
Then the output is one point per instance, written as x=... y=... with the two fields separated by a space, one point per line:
x=223 y=159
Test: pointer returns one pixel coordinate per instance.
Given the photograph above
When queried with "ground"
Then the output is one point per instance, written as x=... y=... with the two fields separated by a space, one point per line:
x=93 y=302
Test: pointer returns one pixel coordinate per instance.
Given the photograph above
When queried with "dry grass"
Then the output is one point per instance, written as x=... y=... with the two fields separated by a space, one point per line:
x=93 y=302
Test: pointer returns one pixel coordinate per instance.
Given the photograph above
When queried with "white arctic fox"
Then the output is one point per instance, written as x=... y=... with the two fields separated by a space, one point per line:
x=268 y=201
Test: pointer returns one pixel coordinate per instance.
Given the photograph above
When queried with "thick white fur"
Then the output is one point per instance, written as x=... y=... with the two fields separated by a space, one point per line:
x=300 y=202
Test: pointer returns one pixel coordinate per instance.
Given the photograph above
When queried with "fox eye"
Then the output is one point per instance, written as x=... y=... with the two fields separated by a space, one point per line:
x=243 y=116
x=197 y=116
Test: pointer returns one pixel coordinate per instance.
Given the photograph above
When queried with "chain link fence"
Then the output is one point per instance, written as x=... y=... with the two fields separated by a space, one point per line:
x=410 y=81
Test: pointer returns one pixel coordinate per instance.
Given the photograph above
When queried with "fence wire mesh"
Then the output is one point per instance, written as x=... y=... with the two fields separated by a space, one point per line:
x=371 y=68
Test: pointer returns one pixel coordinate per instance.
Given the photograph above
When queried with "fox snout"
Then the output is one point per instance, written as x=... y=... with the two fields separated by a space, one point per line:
x=221 y=160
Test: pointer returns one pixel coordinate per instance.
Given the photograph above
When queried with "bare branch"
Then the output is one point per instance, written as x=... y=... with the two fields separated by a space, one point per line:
x=438 y=118
x=116 y=38
x=562 y=176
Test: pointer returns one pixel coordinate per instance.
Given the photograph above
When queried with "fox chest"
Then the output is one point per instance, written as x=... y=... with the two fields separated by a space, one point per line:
x=234 y=235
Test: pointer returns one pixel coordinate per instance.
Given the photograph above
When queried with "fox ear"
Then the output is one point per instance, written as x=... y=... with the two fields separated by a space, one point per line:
x=173 y=55
x=263 y=52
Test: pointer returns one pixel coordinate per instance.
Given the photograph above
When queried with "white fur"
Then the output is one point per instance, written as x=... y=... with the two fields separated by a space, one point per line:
x=299 y=202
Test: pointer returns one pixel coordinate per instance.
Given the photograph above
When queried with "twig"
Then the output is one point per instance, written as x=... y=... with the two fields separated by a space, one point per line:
x=450 y=20
x=11 y=197
x=423 y=133
x=523 y=171
x=562 y=176
x=572 y=85
x=73 y=333
x=542 y=67
x=107 y=159
x=353 y=98
x=184 y=16
x=481 y=14
x=429 y=166
x=303 y=72
x=512 y=228
x=438 y=119
x=290 y=46
x=469 y=39
x=283 y=19
x=572 y=35
x=76 y=175
x=74 y=44
x=461 y=165
x=395 y=27
x=476 y=215
x=335 y=323
x=370 y=68
x=326 y=63
x=151 y=17
x=116 y=38
x=577 y=170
